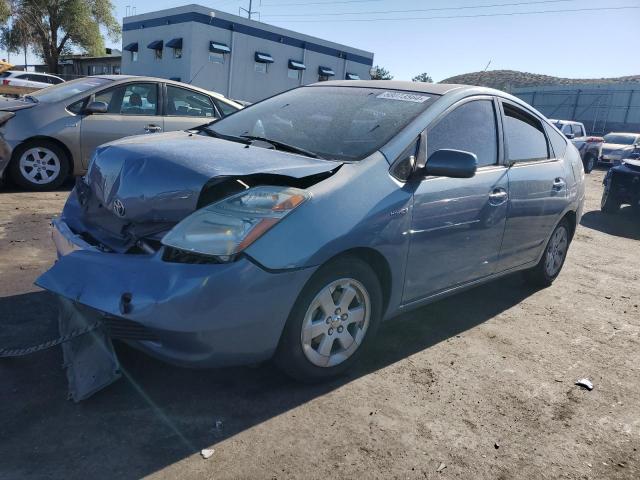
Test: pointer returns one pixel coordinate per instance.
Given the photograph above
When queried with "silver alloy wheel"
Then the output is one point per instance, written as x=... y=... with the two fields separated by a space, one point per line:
x=336 y=322
x=39 y=165
x=556 y=251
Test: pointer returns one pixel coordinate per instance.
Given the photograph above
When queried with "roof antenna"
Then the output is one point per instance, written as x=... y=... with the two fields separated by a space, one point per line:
x=250 y=12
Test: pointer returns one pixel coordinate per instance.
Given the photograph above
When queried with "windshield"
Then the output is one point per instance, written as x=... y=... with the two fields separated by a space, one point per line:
x=620 y=139
x=342 y=123
x=63 y=91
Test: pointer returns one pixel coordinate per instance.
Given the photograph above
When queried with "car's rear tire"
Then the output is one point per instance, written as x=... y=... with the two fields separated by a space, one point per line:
x=332 y=322
x=609 y=203
x=39 y=165
x=590 y=162
x=552 y=261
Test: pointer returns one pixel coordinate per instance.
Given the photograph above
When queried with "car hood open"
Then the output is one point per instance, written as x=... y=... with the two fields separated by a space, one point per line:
x=143 y=185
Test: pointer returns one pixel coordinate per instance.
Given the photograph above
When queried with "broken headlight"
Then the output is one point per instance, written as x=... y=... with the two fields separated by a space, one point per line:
x=229 y=226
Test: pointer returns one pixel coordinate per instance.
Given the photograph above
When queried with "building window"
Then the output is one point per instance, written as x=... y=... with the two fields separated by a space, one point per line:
x=116 y=70
x=158 y=54
x=134 y=56
x=325 y=73
x=295 y=69
x=294 y=74
x=260 y=67
x=261 y=62
x=157 y=47
x=216 y=57
x=176 y=45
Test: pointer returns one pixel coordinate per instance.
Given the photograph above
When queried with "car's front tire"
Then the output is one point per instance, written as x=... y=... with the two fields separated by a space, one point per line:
x=39 y=165
x=555 y=253
x=590 y=162
x=332 y=322
x=609 y=203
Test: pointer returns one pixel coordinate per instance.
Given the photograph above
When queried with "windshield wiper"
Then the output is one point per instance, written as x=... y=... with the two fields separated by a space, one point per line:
x=282 y=146
x=213 y=133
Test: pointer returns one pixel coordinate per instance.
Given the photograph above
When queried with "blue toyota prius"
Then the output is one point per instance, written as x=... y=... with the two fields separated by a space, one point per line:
x=291 y=229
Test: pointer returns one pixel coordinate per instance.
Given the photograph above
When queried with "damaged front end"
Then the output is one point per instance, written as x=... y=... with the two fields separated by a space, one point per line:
x=151 y=243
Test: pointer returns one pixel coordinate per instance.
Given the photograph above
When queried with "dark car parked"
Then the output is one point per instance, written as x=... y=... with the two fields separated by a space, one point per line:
x=622 y=186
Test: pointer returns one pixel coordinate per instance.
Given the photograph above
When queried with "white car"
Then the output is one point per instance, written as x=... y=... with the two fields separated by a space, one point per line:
x=29 y=79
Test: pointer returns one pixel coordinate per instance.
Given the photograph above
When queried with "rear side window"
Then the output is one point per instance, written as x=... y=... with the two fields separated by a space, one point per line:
x=225 y=108
x=558 y=142
x=524 y=135
x=470 y=127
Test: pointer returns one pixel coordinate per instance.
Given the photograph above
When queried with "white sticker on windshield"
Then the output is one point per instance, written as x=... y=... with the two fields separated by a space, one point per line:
x=403 y=96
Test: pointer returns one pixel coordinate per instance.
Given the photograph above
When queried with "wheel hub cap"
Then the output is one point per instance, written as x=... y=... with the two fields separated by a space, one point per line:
x=336 y=322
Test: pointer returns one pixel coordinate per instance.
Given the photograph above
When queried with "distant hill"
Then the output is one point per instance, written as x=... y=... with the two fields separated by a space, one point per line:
x=508 y=79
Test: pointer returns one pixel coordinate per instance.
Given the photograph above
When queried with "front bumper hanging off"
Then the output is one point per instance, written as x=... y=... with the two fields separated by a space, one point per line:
x=195 y=315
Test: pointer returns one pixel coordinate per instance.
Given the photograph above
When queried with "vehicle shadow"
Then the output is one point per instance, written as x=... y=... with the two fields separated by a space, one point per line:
x=7 y=186
x=159 y=414
x=625 y=223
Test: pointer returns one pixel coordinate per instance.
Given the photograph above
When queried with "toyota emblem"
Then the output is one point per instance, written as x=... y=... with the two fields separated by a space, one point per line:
x=118 y=208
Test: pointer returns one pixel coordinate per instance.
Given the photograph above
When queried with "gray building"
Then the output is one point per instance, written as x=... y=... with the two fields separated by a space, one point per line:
x=240 y=58
x=602 y=108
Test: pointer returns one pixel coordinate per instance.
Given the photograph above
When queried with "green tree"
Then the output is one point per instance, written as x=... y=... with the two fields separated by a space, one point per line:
x=423 y=77
x=380 y=73
x=55 y=27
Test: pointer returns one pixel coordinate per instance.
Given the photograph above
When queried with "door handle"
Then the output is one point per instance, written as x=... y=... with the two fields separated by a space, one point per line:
x=559 y=184
x=152 y=128
x=498 y=196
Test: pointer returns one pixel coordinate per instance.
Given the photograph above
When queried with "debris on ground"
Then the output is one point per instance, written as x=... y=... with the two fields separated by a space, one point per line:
x=585 y=383
x=496 y=445
x=207 y=452
x=441 y=467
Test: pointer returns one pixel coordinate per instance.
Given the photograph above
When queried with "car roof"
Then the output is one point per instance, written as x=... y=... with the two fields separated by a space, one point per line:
x=125 y=78
x=37 y=73
x=421 y=87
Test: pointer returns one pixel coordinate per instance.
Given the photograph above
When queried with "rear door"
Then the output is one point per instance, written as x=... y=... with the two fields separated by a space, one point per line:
x=133 y=109
x=537 y=187
x=457 y=223
x=186 y=108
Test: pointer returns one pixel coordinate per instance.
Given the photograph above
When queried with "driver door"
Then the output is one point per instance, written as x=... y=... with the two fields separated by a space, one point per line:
x=457 y=223
x=132 y=110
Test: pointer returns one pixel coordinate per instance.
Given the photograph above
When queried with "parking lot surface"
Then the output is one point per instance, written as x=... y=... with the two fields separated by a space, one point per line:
x=478 y=385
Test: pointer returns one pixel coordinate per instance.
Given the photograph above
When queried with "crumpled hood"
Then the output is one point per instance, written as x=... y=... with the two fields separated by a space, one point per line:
x=13 y=105
x=140 y=187
x=160 y=177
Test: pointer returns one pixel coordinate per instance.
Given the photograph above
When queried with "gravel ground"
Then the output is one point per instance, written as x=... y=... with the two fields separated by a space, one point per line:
x=478 y=385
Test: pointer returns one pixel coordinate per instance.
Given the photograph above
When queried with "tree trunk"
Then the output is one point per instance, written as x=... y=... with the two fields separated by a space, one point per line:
x=51 y=60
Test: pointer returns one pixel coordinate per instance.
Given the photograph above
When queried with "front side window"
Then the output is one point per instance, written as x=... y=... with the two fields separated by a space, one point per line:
x=340 y=123
x=524 y=135
x=187 y=103
x=471 y=127
x=131 y=99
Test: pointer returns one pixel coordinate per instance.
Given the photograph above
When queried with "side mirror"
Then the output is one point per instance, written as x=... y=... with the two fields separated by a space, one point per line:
x=96 y=107
x=449 y=163
x=570 y=136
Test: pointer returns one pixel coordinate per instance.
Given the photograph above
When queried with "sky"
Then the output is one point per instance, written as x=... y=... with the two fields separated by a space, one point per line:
x=600 y=41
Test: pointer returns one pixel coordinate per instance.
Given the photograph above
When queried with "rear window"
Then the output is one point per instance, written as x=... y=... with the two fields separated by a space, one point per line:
x=5 y=74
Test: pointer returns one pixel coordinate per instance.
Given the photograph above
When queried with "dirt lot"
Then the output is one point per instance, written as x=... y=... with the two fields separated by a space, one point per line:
x=482 y=382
